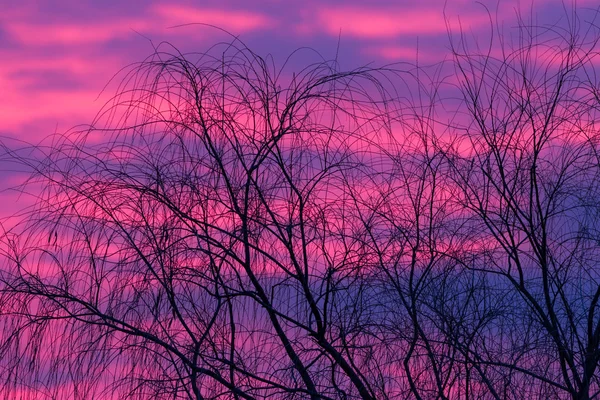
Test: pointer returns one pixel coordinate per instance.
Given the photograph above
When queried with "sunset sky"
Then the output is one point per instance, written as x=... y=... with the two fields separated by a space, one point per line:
x=219 y=213
x=57 y=56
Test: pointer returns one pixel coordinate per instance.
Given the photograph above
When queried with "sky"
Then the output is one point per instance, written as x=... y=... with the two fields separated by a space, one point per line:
x=57 y=56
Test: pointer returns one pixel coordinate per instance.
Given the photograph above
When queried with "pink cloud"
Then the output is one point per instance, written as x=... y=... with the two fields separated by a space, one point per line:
x=234 y=21
x=156 y=21
x=372 y=23
x=25 y=97
x=73 y=34
x=19 y=109
x=402 y=53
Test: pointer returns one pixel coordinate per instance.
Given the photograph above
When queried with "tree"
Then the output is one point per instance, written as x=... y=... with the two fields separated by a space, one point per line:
x=199 y=247
x=226 y=229
x=526 y=162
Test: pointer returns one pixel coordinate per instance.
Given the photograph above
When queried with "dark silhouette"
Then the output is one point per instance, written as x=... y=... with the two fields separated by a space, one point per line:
x=225 y=229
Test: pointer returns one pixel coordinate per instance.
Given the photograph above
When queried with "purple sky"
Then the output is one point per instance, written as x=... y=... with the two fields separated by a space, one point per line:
x=57 y=55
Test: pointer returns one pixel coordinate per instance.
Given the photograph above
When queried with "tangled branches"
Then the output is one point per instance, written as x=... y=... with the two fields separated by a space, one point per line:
x=225 y=229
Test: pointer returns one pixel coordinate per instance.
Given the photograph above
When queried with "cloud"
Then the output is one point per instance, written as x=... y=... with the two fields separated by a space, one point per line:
x=402 y=53
x=233 y=21
x=58 y=68
x=156 y=20
x=373 y=23
x=43 y=87
x=34 y=34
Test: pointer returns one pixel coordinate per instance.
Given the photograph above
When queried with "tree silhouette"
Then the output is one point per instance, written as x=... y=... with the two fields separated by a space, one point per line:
x=530 y=181
x=227 y=229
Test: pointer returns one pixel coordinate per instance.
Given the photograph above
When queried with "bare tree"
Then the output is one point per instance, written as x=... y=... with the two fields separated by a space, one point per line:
x=200 y=243
x=227 y=229
x=527 y=165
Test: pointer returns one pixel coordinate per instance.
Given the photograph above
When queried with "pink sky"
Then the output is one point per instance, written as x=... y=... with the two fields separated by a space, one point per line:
x=58 y=55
